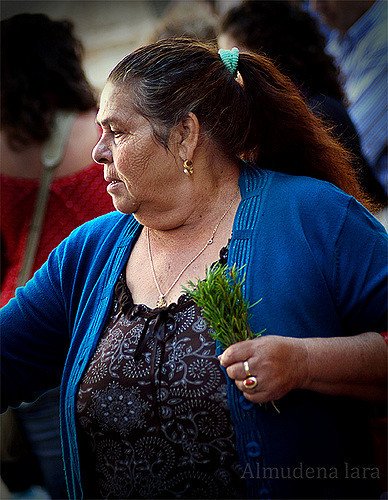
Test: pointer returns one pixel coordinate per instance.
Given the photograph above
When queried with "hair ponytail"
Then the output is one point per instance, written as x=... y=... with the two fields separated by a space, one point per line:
x=284 y=135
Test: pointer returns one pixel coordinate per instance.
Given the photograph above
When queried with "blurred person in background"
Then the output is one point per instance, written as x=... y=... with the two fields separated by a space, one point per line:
x=47 y=110
x=291 y=38
x=192 y=19
x=358 y=42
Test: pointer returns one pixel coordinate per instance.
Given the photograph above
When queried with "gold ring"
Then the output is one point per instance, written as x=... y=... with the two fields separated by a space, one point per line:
x=246 y=369
x=250 y=382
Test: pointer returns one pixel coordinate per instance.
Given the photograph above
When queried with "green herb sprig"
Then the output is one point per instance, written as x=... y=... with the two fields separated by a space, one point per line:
x=223 y=306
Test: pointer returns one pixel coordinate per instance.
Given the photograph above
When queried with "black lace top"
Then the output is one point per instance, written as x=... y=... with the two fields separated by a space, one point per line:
x=152 y=411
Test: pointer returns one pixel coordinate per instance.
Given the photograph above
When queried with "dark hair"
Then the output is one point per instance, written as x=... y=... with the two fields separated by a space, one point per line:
x=265 y=121
x=41 y=72
x=291 y=38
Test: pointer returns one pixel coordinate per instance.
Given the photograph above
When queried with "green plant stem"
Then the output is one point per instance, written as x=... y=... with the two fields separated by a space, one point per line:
x=223 y=305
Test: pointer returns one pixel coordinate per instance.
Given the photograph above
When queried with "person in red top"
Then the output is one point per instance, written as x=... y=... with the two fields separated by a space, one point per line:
x=42 y=78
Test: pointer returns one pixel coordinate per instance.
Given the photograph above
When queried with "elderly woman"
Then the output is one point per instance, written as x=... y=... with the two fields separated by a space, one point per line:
x=210 y=158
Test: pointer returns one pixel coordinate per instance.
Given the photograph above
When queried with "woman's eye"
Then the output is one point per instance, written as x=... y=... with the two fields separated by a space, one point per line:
x=116 y=133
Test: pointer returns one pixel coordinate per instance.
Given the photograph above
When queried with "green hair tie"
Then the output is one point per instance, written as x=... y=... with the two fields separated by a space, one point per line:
x=230 y=59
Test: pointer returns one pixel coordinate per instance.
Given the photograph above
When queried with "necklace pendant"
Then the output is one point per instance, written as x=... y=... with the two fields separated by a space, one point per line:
x=161 y=302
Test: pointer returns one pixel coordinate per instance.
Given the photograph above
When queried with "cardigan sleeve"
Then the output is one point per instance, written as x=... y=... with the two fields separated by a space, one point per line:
x=39 y=324
x=361 y=263
x=34 y=336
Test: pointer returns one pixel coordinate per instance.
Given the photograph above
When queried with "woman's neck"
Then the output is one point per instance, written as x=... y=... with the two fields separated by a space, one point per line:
x=210 y=199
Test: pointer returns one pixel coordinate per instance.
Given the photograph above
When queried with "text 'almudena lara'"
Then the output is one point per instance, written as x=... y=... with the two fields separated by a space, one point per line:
x=302 y=471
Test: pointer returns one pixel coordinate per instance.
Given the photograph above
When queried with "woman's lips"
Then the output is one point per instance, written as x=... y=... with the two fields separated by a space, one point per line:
x=110 y=179
x=113 y=185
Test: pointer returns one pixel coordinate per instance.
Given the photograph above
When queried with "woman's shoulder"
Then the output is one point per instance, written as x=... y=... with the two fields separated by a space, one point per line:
x=288 y=188
x=104 y=224
x=95 y=241
x=109 y=229
x=303 y=185
x=312 y=201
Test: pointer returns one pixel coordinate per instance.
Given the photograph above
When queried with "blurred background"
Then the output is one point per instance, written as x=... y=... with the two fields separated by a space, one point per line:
x=110 y=29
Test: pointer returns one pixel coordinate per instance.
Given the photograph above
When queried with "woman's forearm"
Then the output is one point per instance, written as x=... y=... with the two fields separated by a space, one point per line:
x=353 y=366
x=349 y=366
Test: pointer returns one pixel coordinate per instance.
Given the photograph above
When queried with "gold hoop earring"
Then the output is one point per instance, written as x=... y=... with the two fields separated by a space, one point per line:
x=188 y=167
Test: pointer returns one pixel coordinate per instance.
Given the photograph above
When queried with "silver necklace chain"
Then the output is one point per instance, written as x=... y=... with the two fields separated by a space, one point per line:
x=161 y=302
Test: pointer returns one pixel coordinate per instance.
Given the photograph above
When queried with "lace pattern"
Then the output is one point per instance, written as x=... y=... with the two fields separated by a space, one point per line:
x=152 y=411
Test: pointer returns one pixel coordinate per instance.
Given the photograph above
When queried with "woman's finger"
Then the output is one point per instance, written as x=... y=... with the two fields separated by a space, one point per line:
x=238 y=352
x=242 y=369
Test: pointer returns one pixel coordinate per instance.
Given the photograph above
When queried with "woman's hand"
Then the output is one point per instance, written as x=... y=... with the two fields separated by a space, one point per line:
x=348 y=366
x=279 y=364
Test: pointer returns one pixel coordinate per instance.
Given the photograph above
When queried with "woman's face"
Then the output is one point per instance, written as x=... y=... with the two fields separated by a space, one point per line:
x=136 y=166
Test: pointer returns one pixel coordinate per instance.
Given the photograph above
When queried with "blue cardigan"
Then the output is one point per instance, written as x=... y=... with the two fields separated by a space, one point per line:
x=317 y=259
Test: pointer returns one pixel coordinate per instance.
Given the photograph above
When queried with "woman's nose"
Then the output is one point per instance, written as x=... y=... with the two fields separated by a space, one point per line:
x=101 y=153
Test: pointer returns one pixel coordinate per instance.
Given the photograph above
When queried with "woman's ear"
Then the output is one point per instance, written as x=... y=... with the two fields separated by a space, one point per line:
x=186 y=136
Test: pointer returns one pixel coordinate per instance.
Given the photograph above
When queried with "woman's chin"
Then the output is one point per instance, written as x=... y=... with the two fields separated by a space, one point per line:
x=124 y=205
